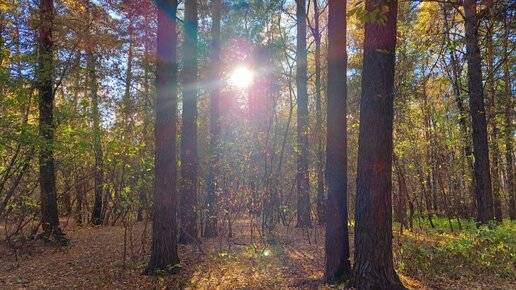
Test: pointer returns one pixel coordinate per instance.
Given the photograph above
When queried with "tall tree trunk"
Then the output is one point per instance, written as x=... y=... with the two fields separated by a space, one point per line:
x=47 y=175
x=210 y=229
x=143 y=204
x=478 y=116
x=188 y=230
x=338 y=266
x=318 y=126
x=164 y=254
x=428 y=169
x=374 y=268
x=96 y=216
x=458 y=88
x=495 y=152
x=303 y=182
x=126 y=102
x=509 y=131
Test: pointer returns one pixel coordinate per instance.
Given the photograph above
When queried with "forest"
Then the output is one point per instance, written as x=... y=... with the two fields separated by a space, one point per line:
x=259 y=144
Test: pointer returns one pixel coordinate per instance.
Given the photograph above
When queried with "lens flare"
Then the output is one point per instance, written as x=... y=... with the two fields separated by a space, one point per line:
x=241 y=78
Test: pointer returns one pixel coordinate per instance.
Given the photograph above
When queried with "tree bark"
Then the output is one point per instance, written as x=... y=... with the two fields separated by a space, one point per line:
x=188 y=230
x=374 y=268
x=210 y=229
x=318 y=126
x=47 y=175
x=495 y=152
x=509 y=131
x=164 y=254
x=96 y=216
x=302 y=179
x=338 y=266
x=483 y=191
x=458 y=88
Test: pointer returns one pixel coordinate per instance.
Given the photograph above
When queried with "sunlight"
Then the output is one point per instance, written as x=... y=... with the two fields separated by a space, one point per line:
x=241 y=77
x=266 y=253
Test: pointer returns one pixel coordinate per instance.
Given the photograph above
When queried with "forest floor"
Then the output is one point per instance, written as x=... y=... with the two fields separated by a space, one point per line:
x=293 y=259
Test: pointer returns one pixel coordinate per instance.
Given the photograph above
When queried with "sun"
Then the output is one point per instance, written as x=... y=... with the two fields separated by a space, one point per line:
x=241 y=77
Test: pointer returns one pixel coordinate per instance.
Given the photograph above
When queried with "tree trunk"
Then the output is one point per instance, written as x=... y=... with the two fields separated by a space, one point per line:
x=47 y=175
x=495 y=152
x=80 y=192
x=509 y=134
x=458 y=88
x=303 y=182
x=164 y=254
x=143 y=203
x=374 y=268
x=127 y=102
x=210 y=229
x=318 y=126
x=401 y=207
x=338 y=266
x=188 y=230
x=96 y=216
x=483 y=191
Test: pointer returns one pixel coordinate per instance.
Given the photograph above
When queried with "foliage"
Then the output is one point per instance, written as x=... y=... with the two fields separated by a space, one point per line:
x=471 y=254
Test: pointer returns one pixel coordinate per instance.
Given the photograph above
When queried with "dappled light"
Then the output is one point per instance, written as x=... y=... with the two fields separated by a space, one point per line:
x=231 y=144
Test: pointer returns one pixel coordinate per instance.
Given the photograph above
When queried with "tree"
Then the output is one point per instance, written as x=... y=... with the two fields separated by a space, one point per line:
x=47 y=175
x=96 y=216
x=164 y=246
x=318 y=107
x=373 y=268
x=483 y=192
x=338 y=266
x=215 y=131
x=302 y=178
x=509 y=132
x=188 y=211
x=490 y=92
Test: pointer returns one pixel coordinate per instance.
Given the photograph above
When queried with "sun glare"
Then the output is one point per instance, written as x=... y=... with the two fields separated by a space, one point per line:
x=241 y=77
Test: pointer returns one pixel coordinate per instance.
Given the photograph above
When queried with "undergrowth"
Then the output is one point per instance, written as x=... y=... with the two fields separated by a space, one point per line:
x=488 y=251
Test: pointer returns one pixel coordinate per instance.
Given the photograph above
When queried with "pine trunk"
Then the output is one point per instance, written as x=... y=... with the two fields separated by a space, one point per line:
x=318 y=126
x=96 y=217
x=482 y=174
x=495 y=152
x=164 y=254
x=188 y=230
x=338 y=266
x=210 y=229
x=374 y=268
x=509 y=131
x=47 y=176
x=303 y=181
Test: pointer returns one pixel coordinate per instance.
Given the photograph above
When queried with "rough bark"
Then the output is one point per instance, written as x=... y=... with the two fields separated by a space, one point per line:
x=302 y=178
x=374 y=268
x=164 y=254
x=210 y=229
x=188 y=230
x=47 y=175
x=338 y=266
x=482 y=174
